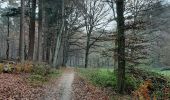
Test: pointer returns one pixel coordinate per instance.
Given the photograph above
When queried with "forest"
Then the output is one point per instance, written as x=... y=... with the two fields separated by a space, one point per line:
x=84 y=50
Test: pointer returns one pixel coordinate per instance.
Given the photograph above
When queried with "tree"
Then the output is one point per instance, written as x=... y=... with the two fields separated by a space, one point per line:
x=11 y=12
x=136 y=42
x=7 y=51
x=21 y=42
x=32 y=30
x=40 y=30
x=94 y=14
x=121 y=46
x=71 y=36
x=59 y=37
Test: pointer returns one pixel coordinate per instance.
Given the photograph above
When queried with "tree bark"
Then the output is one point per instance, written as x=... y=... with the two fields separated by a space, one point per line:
x=86 y=57
x=32 y=31
x=7 y=51
x=66 y=46
x=88 y=46
x=58 y=42
x=40 y=30
x=121 y=46
x=21 y=41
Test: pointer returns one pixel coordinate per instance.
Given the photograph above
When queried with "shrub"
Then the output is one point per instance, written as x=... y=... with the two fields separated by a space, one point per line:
x=18 y=68
x=8 y=68
x=41 y=69
x=42 y=73
x=28 y=67
x=131 y=83
x=1 y=67
x=143 y=91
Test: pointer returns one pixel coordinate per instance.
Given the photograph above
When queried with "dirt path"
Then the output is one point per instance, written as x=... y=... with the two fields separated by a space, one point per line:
x=60 y=89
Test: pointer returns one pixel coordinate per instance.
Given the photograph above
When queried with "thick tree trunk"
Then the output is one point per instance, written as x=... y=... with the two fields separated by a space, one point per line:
x=21 y=41
x=66 y=46
x=60 y=55
x=40 y=30
x=58 y=42
x=65 y=54
x=88 y=47
x=121 y=46
x=47 y=54
x=32 y=31
x=86 y=57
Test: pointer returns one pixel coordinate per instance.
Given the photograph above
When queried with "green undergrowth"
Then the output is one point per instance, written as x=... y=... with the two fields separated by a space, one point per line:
x=134 y=78
x=107 y=78
x=99 y=77
x=42 y=74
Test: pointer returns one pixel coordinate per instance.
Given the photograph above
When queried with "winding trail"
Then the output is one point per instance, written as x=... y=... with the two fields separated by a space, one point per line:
x=61 y=89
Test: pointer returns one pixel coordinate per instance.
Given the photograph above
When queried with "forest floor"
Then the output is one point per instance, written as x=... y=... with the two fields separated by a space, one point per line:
x=15 y=87
x=68 y=86
x=83 y=90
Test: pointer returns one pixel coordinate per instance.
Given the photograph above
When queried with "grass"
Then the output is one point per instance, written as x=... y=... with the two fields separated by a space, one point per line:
x=157 y=70
x=134 y=78
x=99 y=77
x=107 y=78
x=166 y=73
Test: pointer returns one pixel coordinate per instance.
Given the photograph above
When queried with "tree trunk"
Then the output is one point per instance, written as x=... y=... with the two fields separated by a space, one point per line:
x=47 y=54
x=58 y=42
x=86 y=57
x=88 y=46
x=65 y=54
x=50 y=60
x=121 y=46
x=32 y=31
x=115 y=55
x=7 y=50
x=40 y=30
x=21 y=41
x=60 y=55
x=66 y=46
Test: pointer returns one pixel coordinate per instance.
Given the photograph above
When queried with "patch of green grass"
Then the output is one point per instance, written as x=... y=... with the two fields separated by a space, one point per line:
x=107 y=78
x=166 y=73
x=99 y=77
x=157 y=70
